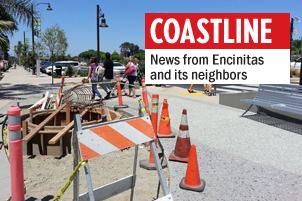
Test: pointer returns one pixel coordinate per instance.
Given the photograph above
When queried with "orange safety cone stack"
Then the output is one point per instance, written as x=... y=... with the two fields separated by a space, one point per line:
x=192 y=180
x=164 y=130
x=150 y=163
x=119 y=92
x=183 y=143
x=154 y=114
x=59 y=95
x=145 y=96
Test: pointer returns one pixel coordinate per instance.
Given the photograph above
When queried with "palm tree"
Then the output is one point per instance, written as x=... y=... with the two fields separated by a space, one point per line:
x=12 y=12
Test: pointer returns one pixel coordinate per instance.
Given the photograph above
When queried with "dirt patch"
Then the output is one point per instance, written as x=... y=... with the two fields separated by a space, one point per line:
x=45 y=175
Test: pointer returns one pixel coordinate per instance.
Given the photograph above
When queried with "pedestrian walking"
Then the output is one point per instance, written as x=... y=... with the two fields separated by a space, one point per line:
x=108 y=76
x=131 y=72
x=190 y=89
x=93 y=76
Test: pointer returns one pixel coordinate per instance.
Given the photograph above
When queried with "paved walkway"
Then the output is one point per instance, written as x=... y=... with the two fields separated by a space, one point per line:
x=240 y=158
x=248 y=158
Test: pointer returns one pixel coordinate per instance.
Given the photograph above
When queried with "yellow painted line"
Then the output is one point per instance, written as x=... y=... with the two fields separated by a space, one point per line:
x=194 y=94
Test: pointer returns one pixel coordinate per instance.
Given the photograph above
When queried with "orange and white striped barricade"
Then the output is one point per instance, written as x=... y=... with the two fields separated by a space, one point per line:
x=103 y=138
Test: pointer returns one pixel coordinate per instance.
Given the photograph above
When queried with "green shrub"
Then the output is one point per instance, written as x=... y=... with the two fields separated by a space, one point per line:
x=69 y=71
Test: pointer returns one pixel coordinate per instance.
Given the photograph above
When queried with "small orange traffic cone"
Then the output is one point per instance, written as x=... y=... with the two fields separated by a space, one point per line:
x=150 y=164
x=145 y=96
x=165 y=130
x=183 y=142
x=192 y=179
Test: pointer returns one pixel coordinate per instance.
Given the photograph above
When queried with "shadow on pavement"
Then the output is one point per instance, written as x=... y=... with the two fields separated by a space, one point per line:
x=46 y=198
x=287 y=124
x=221 y=87
x=23 y=91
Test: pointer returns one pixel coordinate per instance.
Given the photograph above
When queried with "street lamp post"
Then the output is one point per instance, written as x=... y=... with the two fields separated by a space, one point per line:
x=103 y=24
x=49 y=8
x=300 y=81
x=32 y=37
x=292 y=30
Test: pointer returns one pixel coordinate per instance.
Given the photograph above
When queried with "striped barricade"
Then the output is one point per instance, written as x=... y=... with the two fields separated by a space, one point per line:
x=100 y=139
x=116 y=136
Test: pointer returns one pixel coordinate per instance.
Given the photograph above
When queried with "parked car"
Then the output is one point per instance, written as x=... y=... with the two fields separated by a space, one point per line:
x=296 y=64
x=118 y=68
x=63 y=65
x=83 y=71
x=43 y=65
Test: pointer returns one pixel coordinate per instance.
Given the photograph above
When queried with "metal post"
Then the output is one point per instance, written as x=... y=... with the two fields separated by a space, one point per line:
x=134 y=172
x=98 y=32
x=32 y=35
x=291 y=35
x=300 y=82
x=159 y=169
x=76 y=156
x=38 y=67
x=24 y=38
x=77 y=120
x=89 y=182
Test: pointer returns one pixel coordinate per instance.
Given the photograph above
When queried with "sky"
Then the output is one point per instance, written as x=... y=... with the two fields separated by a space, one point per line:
x=126 y=18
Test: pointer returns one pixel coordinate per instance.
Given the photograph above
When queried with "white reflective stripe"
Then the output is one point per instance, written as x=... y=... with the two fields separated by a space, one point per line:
x=166 y=198
x=96 y=143
x=130 y=132
x=14 y=120
x=147 y=119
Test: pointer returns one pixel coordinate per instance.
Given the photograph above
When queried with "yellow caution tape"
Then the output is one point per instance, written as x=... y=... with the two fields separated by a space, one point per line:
x=69 y=180
x=112 y=82
x=164 y=118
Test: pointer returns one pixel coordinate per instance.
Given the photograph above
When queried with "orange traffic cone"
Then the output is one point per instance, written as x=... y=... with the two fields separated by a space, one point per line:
x=150 y=164
x=145 y=96
x=165 y=130
x=183 y=143
x=192 y=180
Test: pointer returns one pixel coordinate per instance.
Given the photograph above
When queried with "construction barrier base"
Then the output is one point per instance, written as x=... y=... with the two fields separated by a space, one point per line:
x=116 y=107
x=169 y=135
x=175 y=158
x=172 y=135
x=199 y=188
x=150 y=166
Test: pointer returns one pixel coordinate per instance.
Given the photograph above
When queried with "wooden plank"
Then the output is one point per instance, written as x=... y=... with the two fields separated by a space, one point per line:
x=69 y=126
x=42 y=124
x=107 y=113
x=49 y=131
x=67 y=111
x=24 y=128
x=58 y=128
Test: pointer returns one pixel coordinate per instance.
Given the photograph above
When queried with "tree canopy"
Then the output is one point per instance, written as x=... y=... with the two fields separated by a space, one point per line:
x=12 y=12
x=296 y=47
x=128 y=49
x=55 y=41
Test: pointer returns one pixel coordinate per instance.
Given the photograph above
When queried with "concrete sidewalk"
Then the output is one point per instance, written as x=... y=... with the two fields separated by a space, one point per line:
x=240 y=159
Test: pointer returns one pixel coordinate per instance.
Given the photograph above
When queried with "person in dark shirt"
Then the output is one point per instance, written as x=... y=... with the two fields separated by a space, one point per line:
x=108 y=75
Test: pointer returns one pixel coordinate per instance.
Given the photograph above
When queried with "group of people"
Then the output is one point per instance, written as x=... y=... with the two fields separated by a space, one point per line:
x=108 y=76
x=209 y=89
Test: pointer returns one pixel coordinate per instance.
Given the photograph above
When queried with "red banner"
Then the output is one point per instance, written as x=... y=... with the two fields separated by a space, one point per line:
x=217 y=31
